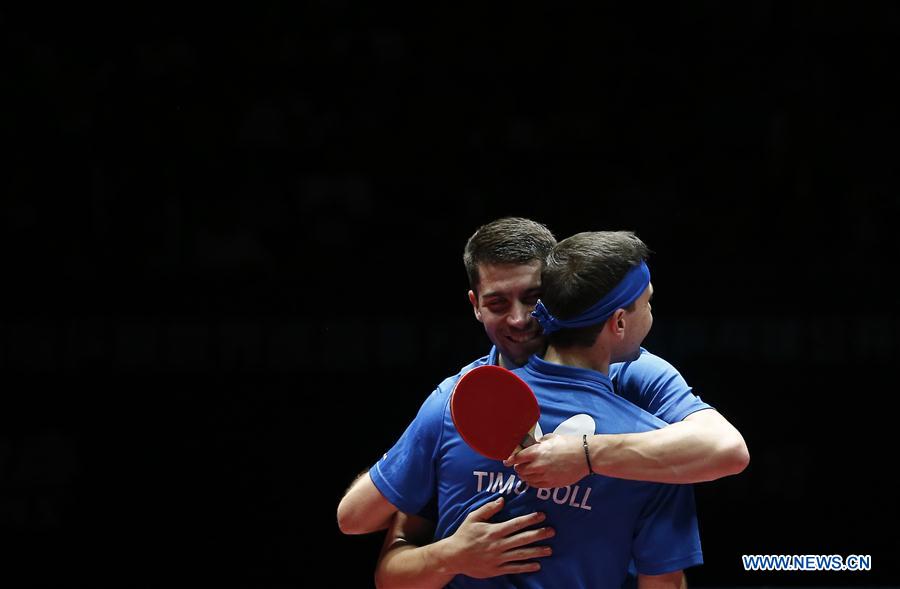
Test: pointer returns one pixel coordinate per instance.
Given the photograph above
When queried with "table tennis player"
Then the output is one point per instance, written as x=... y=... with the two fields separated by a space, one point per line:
x=504 y=259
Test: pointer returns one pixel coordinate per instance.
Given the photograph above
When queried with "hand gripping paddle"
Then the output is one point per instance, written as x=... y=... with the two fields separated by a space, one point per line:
x=494 y=411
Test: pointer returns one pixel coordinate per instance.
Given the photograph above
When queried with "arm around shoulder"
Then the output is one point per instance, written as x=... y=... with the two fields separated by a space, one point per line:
x=702 y=447
x=363 y=508
x=405 y=474
x=728 y=451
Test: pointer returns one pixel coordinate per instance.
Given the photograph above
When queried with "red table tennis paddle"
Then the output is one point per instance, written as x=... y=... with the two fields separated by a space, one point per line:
x=494 y=411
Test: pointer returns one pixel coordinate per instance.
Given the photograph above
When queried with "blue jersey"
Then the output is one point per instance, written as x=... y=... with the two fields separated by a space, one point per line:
x=655 y=386
x=602 y=523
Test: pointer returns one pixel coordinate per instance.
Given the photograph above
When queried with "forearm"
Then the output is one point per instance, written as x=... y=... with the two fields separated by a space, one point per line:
x=363 y=508
x=703 y=447
x=478 y=548
x=675 y=580
x=404 y=565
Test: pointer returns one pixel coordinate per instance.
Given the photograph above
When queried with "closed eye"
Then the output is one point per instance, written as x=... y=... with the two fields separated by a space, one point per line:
x=496 y=305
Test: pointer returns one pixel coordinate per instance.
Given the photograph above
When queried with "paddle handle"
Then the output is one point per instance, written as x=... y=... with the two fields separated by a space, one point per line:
x=528 y=440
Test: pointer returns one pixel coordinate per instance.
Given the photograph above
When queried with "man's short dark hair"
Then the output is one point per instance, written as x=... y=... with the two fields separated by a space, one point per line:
x=510 y=240
x=580 y=271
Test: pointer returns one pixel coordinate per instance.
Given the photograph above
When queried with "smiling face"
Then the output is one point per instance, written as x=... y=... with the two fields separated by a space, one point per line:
x=505 y=299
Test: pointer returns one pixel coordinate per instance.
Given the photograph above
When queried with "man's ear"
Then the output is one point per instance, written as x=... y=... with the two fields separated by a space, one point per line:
x=473 y=298
x=618 y=322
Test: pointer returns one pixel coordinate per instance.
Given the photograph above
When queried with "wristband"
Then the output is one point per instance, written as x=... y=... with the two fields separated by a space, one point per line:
x=587 y=455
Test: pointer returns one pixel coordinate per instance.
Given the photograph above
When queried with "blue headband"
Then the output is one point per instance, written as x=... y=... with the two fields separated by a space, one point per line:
x=626 y=292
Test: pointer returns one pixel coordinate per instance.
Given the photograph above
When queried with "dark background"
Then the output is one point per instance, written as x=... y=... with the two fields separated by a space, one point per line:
x=232 y=262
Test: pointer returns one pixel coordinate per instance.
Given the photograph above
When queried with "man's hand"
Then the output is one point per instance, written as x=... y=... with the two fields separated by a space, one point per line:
x=477 y=549
x=482 y=549
x=555 y=461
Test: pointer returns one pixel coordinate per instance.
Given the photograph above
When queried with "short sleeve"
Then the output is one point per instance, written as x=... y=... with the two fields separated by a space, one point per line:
x=405 y=475
x=666 y=536
x=657 y=387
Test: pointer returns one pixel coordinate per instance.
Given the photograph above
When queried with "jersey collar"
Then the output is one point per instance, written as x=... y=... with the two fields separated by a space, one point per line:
x=539 y=366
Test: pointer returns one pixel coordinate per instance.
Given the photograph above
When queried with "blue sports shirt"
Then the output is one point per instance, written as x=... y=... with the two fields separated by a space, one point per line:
x=602 y=523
